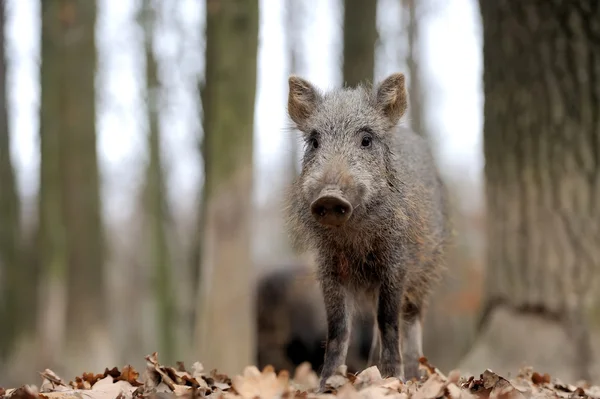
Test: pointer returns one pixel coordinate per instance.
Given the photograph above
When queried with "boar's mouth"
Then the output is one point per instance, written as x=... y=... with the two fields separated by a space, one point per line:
x=331 y=208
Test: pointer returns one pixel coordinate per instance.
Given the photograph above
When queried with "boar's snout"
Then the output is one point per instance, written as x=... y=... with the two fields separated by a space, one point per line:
x=331 y=209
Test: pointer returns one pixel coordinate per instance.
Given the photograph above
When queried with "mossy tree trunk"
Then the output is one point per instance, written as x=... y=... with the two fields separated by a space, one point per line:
x=52 y=229
x=71 y=228
x=360 y=38
x=226 y=324
x=542 y=150
x=156 y=204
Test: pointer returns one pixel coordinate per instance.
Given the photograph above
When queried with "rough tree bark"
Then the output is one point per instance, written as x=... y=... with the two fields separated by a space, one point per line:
x=360 y=37
x=12 y=280
x=226 y=324
x=156 y=204
x=70 y=211
x=542 y=150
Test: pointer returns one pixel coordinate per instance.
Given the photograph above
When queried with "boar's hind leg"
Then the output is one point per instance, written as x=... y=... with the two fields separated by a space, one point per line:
x=411 y=338
x=375 y=351
x=338 y=328
x=388 y=319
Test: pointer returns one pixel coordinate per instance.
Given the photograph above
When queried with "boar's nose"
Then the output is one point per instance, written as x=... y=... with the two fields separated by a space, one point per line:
x=331 y=210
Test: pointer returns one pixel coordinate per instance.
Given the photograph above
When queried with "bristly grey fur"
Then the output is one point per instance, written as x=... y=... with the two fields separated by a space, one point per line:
x=392 y=246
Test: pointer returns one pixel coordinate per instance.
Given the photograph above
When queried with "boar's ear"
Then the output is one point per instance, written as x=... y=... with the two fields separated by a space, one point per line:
x=391 y=97
x=303 y=99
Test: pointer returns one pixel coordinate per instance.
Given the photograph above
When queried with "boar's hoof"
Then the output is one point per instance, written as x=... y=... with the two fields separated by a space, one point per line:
x=331 y=210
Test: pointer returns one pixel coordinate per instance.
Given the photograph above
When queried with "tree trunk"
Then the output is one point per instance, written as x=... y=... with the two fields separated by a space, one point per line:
x=226 y=326
x=71 y=217
x=360 y=37
x=416 y=94
x=293 y=10
x=156 y=203
x=542 y=149
x=52 y=235
x=13 y=281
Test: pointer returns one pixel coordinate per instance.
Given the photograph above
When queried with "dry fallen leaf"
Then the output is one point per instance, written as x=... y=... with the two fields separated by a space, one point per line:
x=197 y=369
x=369 y=375
x=454 y=391
x=130 y=375
x=52 y=382
x=338 y=379
x=305 y=378
x=454 y=376
x=391 y=383
x=159 y=381
x=253 y=383
x=347 y=391
x=432 y=388
x=24 y=392
x=538 y=379
x=109 y=387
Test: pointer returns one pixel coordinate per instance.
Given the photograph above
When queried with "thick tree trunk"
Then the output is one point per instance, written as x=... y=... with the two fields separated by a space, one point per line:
x=360 y=37
x=226 y=326
x=156 y=204
x=72 y=228
x=52 y=236
x=542 y=150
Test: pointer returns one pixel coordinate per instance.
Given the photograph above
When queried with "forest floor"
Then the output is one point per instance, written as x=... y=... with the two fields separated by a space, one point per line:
x=159 y=381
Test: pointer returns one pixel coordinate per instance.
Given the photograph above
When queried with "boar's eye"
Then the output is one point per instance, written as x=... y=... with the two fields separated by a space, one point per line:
x=367 y=138
x=313 y=141
x=366 y=141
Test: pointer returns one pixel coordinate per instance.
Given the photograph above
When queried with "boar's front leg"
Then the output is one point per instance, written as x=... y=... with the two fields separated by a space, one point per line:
x=338 y=327
x=388 y=319
x=412 y=341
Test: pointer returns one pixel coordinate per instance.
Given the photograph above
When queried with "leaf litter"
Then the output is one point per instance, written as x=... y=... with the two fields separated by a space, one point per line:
x=159 y=381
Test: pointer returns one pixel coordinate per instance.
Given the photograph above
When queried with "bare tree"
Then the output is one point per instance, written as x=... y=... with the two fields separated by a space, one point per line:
x=416 y=93
x=542 y=151
x=226 y=324
x=13 y=281
x=360 y=37
x=52 y=235
x=293 y=12
x=156 y=204
x=71 y=226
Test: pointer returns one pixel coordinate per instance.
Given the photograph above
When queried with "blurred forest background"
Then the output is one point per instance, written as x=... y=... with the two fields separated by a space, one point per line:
x=144 y=147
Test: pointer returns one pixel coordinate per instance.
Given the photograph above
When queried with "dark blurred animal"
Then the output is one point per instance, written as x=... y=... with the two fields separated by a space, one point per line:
x=292 y=325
